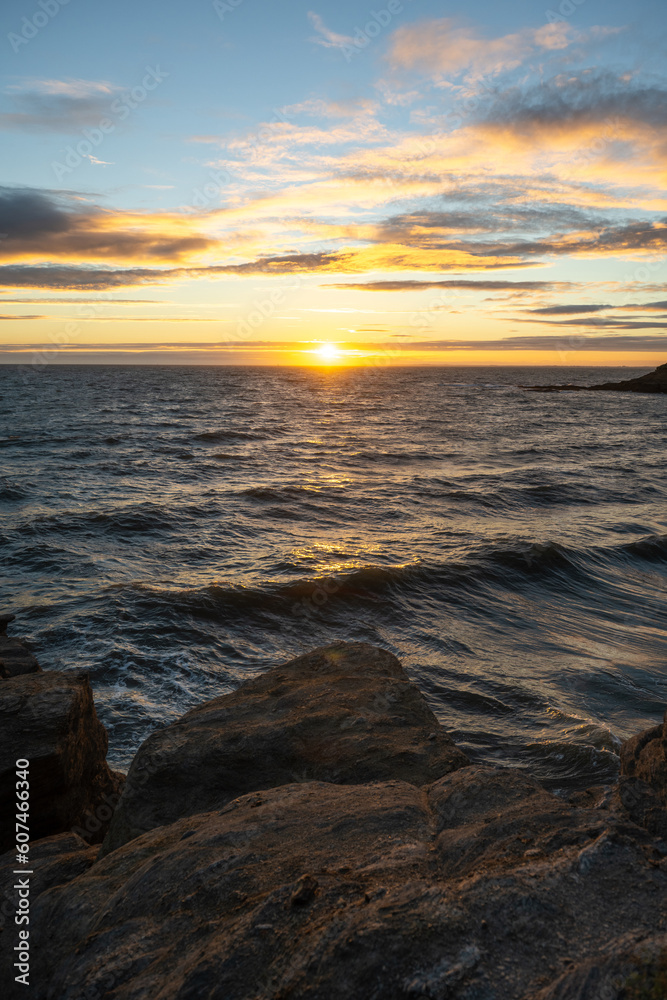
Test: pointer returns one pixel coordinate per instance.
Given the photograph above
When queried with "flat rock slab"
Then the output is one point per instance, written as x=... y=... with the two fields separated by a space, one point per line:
x=49 y=719
x=482 y=886
x=345 y=713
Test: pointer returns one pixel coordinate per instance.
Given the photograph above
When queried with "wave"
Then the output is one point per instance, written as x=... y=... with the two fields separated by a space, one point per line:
x=231 y=434
x=503 y=566
x=557 y=763
x=10 y=491
x=287 y=494
x=652 y=549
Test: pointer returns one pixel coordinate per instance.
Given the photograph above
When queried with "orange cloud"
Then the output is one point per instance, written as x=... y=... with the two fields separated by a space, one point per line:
x=441 y=47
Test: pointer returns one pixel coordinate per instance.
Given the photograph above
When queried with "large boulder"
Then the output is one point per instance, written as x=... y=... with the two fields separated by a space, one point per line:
x=482 y=886
x=345 y=713
x=643 y=784
x=49 y=719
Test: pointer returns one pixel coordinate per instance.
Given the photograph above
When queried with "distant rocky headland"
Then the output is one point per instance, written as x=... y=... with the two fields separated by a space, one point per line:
x=316 y=835
x=655 y=381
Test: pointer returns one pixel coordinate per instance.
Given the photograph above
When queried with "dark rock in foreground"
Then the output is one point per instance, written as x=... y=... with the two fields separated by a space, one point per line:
x=53 y=861
x=653 y=382
x=447 y=882
x=346 y=713
x=50 y=719
x=481 y=886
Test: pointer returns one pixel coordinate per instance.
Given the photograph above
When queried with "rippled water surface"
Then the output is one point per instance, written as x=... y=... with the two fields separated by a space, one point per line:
x=175 y=530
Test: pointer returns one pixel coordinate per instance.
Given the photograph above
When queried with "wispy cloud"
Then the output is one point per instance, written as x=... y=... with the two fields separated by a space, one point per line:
x=444 y=48
x=325 y=36
x=13 y=317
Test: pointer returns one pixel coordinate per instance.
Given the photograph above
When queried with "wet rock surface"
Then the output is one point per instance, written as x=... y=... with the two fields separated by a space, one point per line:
x=346 y=713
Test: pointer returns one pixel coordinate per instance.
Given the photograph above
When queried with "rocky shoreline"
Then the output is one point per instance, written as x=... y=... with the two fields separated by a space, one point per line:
x=655 y=381
x=316 y=834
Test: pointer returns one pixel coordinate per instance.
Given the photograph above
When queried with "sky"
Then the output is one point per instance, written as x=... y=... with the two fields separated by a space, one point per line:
x=410 y=182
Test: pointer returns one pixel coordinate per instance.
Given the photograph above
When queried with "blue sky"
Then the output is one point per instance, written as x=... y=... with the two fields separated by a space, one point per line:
x=245 y=181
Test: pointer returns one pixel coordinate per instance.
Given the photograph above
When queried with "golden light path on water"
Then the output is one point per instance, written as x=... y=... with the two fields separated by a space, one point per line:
x=509 y=546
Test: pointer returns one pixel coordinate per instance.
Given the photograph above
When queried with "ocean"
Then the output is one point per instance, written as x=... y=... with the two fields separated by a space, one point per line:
x=176 y=530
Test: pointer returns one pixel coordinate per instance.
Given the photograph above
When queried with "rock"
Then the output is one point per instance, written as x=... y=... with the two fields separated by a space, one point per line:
x=645 y=757
x=345 y=713
x=643 y=784
x=468 y=889
x=629 y=970
x=49 y=719
x=15 y=657
x=4 y=622
x=53 y=861
x=655 y=381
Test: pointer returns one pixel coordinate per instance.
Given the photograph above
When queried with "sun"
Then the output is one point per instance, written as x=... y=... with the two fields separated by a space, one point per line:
x=328 y=353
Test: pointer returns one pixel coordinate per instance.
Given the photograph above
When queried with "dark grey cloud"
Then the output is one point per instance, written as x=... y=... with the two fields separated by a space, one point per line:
x=286 y=264
x=27 y=213
x=650 y=235
x=566 y=309
x=645 y=305
x=54 y=225
x=36 y=111
x=70 y=276
x=607 y=322
x=482 y=285
x=79 y=277
x=545 y=342
x=426 y=228
x=590 y=96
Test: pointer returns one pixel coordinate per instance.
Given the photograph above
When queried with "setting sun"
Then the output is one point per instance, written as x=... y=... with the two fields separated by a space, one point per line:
x=329 y=353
